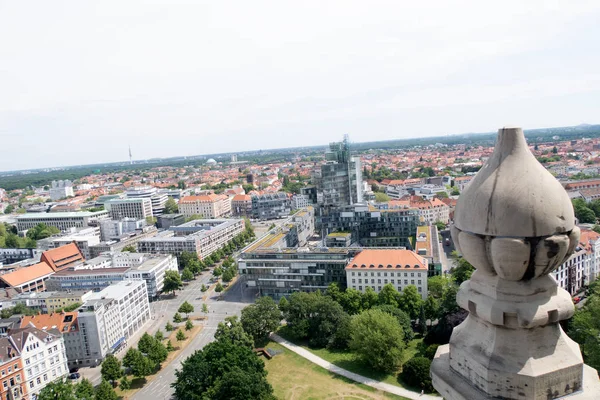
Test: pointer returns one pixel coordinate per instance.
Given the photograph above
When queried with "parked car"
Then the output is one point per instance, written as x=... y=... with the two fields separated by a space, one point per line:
x=576 y=299
x=75 y=376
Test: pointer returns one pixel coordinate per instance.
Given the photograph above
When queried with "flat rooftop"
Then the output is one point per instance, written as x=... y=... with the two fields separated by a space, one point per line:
x=78 y=214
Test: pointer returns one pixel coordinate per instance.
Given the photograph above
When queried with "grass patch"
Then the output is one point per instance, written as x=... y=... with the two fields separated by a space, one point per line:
x=347 y=359
x=294 y=377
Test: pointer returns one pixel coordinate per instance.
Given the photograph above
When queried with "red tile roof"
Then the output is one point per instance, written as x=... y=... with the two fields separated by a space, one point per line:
x=63 y=257
x=26 y=274
x=388 y=258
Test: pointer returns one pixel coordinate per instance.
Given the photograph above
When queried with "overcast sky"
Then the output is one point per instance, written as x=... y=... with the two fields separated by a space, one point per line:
x=82 y=80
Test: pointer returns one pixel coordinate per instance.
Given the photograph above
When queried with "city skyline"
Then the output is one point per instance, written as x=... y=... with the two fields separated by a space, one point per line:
x=83 y=81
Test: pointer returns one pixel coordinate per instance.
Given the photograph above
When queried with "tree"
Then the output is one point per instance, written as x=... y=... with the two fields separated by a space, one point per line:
x=111 y=369
x=104 y=391
x=159 y=335
x=283 y=305
x=169 y=327
x=151 y=220
x=352 y=301
x=463 y=271
x=554 y=150
x=186 y=308
x=415 y=373
x=204 y=308
x=438 y=285
x=431 y=308
x=169 y=346
x=187 y=275
x=42 y=231
x=125 y=383
x=410 y=301
x=145 y=343
x=217 y=272
x=402 y=318
x=57 y=390
x=440 y=225
x=388 y=295
x=231 y=330
x=172 y=282
x=369 y=298
x=180 y=335
x=189 y=325
x=222 y=370
x=219 y=287
x=228 y=274
x=376 y=337
x=261 y=318
x=177 y=318
x=139 y=365
x=129 y=249
x=382 y=197
x=9 y=209
x=171 y=206
x=203 y=288
x=84 y=390
x=584 y=328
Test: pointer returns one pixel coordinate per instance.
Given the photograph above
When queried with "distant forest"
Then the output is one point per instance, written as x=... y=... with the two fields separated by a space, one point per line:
x=22 y=180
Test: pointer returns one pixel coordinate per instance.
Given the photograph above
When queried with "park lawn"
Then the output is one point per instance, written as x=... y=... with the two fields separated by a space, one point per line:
x=294 y=378
x=347 y=360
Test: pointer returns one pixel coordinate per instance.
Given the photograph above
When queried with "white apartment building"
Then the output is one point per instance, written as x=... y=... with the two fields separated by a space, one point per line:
x=129 y=208
x=133 y=305
x=116 y=228
x=43 y=355
x=207 y=206
x=60 y=220
x=152 y=270
x=377 y=267
x=61 y=189
x=203 y=237
x=431 y=211
x=590 y=241
x=570 y=275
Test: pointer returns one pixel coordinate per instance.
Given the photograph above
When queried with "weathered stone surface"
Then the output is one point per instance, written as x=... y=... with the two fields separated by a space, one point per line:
x=475 y=251
x=510 y=257
x=513 y=195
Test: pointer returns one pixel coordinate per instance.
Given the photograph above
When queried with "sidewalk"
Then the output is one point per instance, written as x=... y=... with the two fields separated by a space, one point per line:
x=386 y=387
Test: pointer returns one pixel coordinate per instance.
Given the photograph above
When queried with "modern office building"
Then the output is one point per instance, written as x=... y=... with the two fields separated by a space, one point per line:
x=132 y=300
x=10 y=256
x=271 y=206
x=158 y=199
x=203 y=236
x=100 y=321
x=135 y=208
x=127 y=239
x=166 y=221
x=207 y=206
x=60 y=220
x=371 y=227
x=116 y=228
x=339 y=181
x=241 y=205
x=300 y=201
x=85 y=279
x=61 y=190
x=377 y=267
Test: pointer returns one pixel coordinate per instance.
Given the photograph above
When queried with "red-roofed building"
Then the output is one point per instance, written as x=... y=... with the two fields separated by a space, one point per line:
x=208 y=206
x=377 y=267
x=27 y=279
x=63 y=257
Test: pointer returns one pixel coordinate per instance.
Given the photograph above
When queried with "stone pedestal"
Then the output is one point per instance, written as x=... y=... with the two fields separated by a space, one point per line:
x=452 y=386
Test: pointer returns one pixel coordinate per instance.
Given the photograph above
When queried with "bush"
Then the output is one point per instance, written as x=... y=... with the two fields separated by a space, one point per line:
x=415 y=373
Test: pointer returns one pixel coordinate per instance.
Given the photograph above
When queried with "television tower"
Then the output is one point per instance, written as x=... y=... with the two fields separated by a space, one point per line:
x=130 y=160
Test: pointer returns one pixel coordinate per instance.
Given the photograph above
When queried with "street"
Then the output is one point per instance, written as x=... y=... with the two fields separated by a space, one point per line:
x=233 y=301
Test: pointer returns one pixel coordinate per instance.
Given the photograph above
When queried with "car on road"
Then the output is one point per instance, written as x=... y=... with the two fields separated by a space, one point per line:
x=577 y=299
x=74 y=376
x=447 y=242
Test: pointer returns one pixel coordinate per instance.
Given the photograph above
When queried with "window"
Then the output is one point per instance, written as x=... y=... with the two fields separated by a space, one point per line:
x=5 y=384
x=31 y=384
x=38 y=381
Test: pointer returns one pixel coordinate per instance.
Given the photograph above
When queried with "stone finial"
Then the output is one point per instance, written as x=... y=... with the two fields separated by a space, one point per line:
x=515 y=219
x=515 y=224
x=514 y=195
